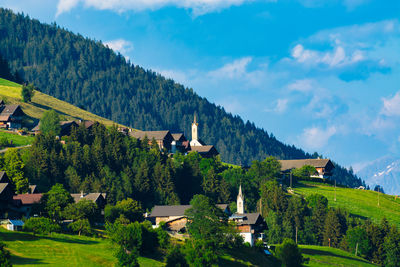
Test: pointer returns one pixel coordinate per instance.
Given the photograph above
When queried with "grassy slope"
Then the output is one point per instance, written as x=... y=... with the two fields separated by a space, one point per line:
x=363 y=203
x=42 y=102
x=17 y=140
x=62 y=250
x=325 y=256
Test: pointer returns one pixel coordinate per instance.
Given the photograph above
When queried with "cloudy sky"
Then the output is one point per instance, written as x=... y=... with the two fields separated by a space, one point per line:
x=322 y=75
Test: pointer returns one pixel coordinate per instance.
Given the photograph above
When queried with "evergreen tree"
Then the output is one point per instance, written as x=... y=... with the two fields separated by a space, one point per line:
x=14 y=167
x=27 y=92
x=50 y=123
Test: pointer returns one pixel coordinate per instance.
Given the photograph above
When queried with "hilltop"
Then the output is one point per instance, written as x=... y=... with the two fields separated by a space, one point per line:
x=41 y=102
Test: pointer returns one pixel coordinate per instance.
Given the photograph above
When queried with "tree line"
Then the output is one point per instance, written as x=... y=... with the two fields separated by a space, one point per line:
x=90 y=75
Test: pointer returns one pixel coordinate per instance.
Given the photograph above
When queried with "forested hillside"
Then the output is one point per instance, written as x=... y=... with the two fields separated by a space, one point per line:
x=88 y=74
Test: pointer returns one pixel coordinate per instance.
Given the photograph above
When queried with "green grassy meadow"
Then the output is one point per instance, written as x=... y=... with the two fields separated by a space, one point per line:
x=17 y=140
x=325 y=256
x=362 y=203
x=62 y=250
x=11 y=92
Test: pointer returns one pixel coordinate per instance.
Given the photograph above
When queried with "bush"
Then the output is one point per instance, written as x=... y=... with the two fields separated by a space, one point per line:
x=41 y=225
x=5 y=257
x=163 y=237
x=129 y=208
x=4 y=142
x=175 y=258
x=289 y=253
x=81 y=226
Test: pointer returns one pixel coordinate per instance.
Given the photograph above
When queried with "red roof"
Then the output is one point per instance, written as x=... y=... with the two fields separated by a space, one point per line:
x=28 y=199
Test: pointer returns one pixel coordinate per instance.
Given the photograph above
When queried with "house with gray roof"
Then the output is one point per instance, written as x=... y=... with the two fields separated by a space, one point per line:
x=11 y=116
x=324 y=167
x=174 y=215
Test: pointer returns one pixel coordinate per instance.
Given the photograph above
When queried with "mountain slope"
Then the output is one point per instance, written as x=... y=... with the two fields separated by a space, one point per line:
x=86 y=73
x=42 y=102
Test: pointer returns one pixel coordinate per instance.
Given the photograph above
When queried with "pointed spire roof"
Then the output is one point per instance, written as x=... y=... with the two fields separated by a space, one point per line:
x=195 y=119
x=240 y=195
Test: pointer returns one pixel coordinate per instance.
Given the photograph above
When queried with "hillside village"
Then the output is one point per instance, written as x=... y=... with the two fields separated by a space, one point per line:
x=250 y=225
x=84 y=183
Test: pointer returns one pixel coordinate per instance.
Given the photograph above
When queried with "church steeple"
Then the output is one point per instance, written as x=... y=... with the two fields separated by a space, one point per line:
x=240 y=202
x=194 y=129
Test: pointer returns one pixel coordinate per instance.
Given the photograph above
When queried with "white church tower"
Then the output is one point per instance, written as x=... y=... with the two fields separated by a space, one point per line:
x=240 y=202
x=194 y=129
x=195 y=134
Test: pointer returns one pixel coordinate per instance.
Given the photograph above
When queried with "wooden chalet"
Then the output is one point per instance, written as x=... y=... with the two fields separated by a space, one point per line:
x=98 y=198
x=163 y=138
x=24 y=204
x=324 y=167
x=174 y=215
x=205 y=151
x=11 y=116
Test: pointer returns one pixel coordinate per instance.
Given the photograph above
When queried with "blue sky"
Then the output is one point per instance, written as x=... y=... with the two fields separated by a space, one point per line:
x=322 y=75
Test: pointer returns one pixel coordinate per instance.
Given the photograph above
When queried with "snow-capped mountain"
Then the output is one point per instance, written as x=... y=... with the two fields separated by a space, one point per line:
x=384 y=172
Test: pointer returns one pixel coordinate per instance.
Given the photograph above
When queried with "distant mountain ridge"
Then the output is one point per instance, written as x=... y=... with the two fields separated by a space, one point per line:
x=89 y=75
x=384 y=172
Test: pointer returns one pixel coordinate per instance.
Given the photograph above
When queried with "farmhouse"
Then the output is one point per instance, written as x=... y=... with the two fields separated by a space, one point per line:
x=24 y=204
x=11 y=116
x=98 y=198
x=250 y=225
x=174 y=215
x=163 y=138
x=324 y=167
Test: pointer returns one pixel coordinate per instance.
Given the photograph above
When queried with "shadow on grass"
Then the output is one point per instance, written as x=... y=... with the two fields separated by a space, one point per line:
x=22 y=236
x=313 y=252
x=17 y=260
x=244 y=255
x=48 y=108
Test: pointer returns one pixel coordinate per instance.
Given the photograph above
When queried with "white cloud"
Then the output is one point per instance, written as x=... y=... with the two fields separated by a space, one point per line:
x=316 y=138
x=120 y=45
x=198 y=7
x=334 y=58
x=236 y=69
x=391 y=106
x=304 y=85
x=281 y=105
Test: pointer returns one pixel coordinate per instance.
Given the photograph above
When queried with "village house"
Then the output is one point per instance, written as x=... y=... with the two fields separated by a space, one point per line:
x=250 y=225
x=10 y=116
x=174 y=216
x=12 y=225
x=6 y=194
x=24 y=204
x=324 y=167
x=98 y=198
x=163 y=138
x=66 y=126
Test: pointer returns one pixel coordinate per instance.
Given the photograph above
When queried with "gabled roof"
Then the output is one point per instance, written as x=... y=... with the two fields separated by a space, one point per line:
x=17 y=222
x=32 y=188
x=3 y=177
x=248 y=218
x=204 y=149
x=89 y=196
x=157 y=135
x=3 y=186
x=9 y=109
x=179 y=137
x=176 y=210
x=298 y=163
x=28 y=199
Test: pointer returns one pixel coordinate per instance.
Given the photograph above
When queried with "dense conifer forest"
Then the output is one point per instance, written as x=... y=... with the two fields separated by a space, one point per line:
x=88 y=74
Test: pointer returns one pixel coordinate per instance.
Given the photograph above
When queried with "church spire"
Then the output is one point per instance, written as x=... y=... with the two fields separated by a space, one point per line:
x=194 y=129
x=240 y=201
